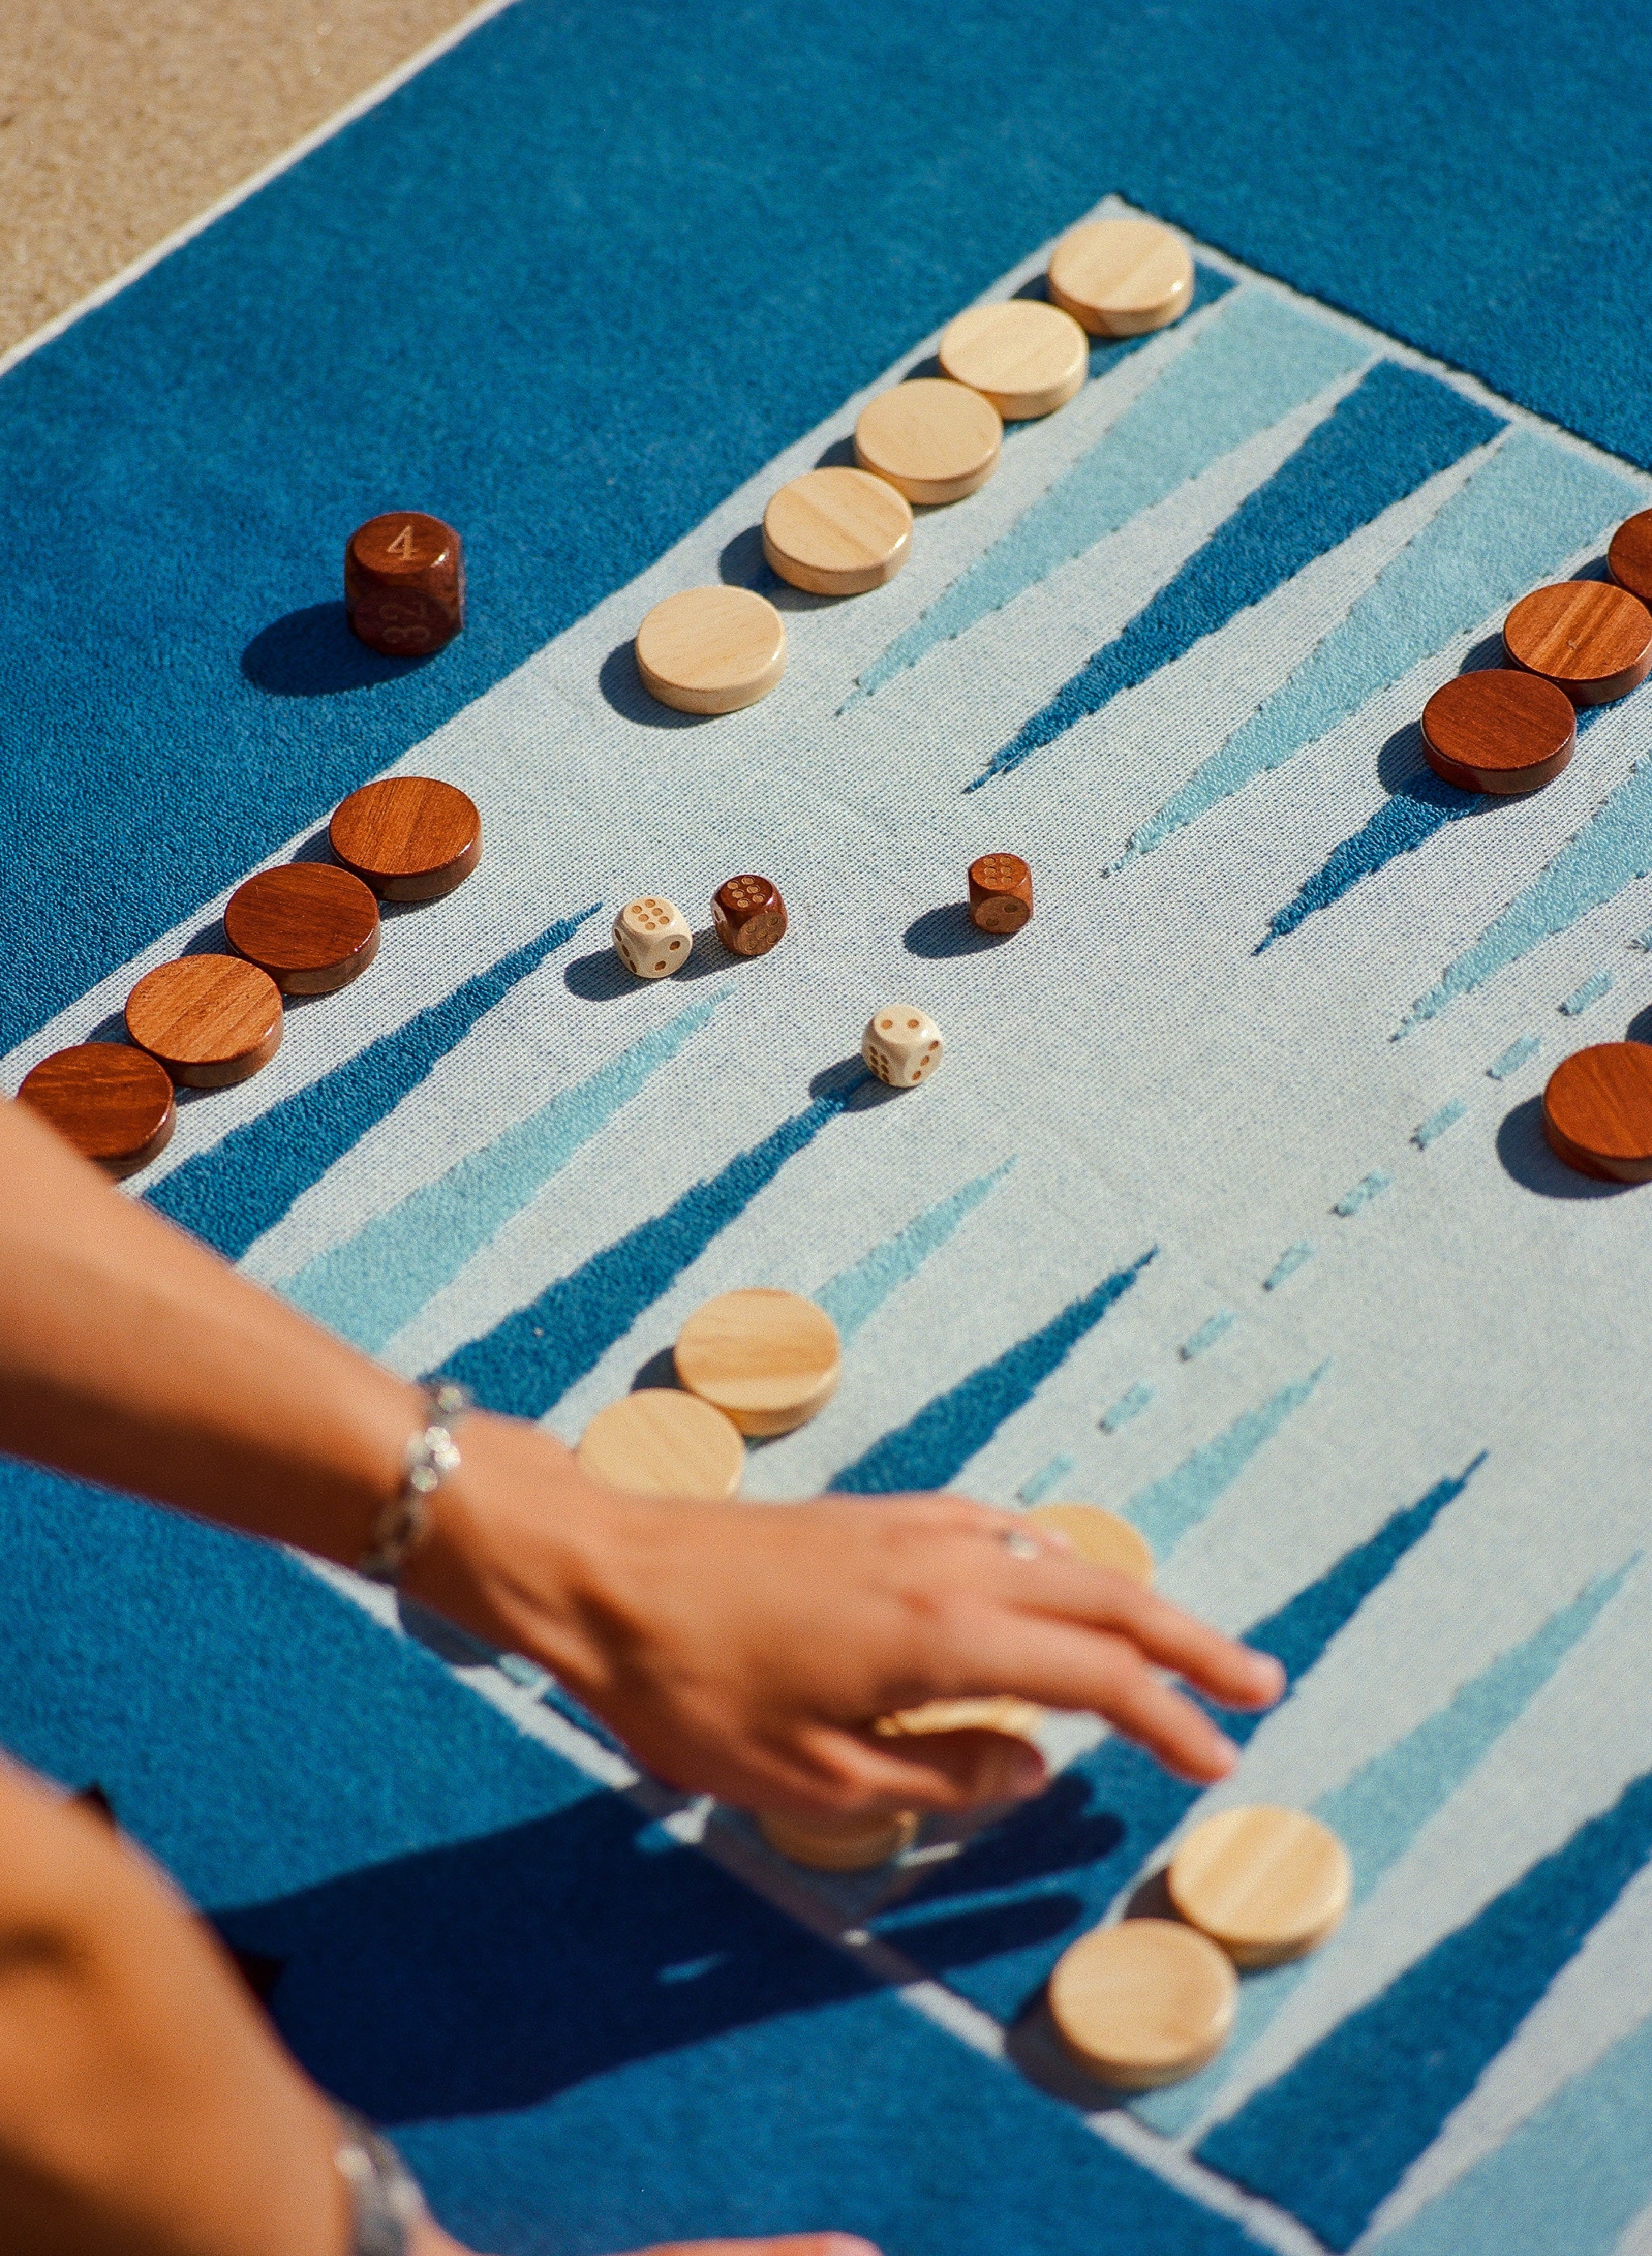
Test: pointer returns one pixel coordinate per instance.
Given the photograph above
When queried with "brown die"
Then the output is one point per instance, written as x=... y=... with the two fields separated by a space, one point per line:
x=404 y=583
x=750 y=915
x=1000 y=892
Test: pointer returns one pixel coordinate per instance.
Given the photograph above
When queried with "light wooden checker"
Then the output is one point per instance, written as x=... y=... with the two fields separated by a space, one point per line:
x=1100 y=1536
x=1002 y=1712
x=933 y=439
x=1266 y=1884
x=838 y=531
x=660 y=1442
x=769 y=1360
x=843 y=1844
x=1120 y=278
x=711 y=649
x=1142 y=2004
x=209 y=1019
x=1027 y=357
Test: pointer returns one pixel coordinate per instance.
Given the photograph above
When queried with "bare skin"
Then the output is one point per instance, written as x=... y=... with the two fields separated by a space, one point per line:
x=742 y=1650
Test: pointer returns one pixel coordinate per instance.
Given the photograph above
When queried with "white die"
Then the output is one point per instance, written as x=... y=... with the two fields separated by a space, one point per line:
x=652 y=937
x=902 y=1044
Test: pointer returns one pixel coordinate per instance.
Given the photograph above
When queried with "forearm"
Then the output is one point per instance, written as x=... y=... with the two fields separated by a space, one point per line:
x=130 y=1354
x=145 y=2107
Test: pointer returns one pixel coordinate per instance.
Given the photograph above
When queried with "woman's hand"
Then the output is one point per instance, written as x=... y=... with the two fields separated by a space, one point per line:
x=747 y=1650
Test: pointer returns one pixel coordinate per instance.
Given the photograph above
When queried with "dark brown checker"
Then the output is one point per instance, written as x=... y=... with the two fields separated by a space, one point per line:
x=749 y=914
x=1501 y=731
x=210 y=1019
x=1000 y=892
x=411 y=838
x=1629 y=557
x=1589 y=638
x=404 y=583
x=1597 y=1112
x=114 y=1104
x=310 y=925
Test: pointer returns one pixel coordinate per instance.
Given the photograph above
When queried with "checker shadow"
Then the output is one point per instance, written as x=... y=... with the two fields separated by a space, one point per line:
x=621 y=688
x=313 y=652
x=1524 y=1152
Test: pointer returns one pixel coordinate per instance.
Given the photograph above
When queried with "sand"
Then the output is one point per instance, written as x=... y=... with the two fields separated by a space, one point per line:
x=121 y=120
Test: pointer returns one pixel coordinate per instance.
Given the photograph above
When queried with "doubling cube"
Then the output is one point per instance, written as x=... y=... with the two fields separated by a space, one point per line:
x=750 y=915
x=902 y=1044
x=404 y=583
x=1000 y=892
x=652 y=937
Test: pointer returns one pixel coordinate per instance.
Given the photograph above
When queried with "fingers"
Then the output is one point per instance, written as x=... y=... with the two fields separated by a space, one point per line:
x=846 y=1774
x=961 y=1770
x=1103 y=1672
x=1170 y=1637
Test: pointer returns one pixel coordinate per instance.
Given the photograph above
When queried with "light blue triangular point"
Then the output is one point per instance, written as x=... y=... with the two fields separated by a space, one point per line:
x=859 y=1292
x=1572 y=2177
x=1518 y=1052
x=368 y=1288
x=1130 y=1405
x=1380 y=1808
x=1612 y=850
x=1168 y=1508
x=1435 y=1126
x=1045 y=1480
x=1529 y=506
x=1379 y=1812
x=1179 y=2106
x=1294 y=1257
x=1598 y=984
x=1255 y=361
x=1368 y=1187
x=1213 y=1328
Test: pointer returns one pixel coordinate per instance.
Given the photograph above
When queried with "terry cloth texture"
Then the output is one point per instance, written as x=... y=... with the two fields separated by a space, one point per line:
x=1162 y=1231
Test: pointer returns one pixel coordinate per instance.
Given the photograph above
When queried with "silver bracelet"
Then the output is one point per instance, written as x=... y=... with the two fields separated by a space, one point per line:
x=430 y=1456
x=386 y=2202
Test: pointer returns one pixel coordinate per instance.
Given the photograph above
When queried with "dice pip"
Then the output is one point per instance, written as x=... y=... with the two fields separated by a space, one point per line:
x=652 y=937
x=750 y=915
x=902 y=1044
x=1000 y=892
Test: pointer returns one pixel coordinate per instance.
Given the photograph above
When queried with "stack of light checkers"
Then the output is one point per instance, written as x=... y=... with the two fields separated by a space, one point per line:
x=209 y=1021
x=1148 y=2002
x=931 y=440
x=859 y=1844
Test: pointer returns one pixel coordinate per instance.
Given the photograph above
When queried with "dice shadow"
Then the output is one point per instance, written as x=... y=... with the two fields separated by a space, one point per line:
x=948 y=931
x=855 y=1088
x=600 y=978
x=313 y=652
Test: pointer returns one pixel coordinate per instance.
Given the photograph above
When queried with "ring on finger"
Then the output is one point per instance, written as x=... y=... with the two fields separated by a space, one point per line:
x=1020 y=1545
